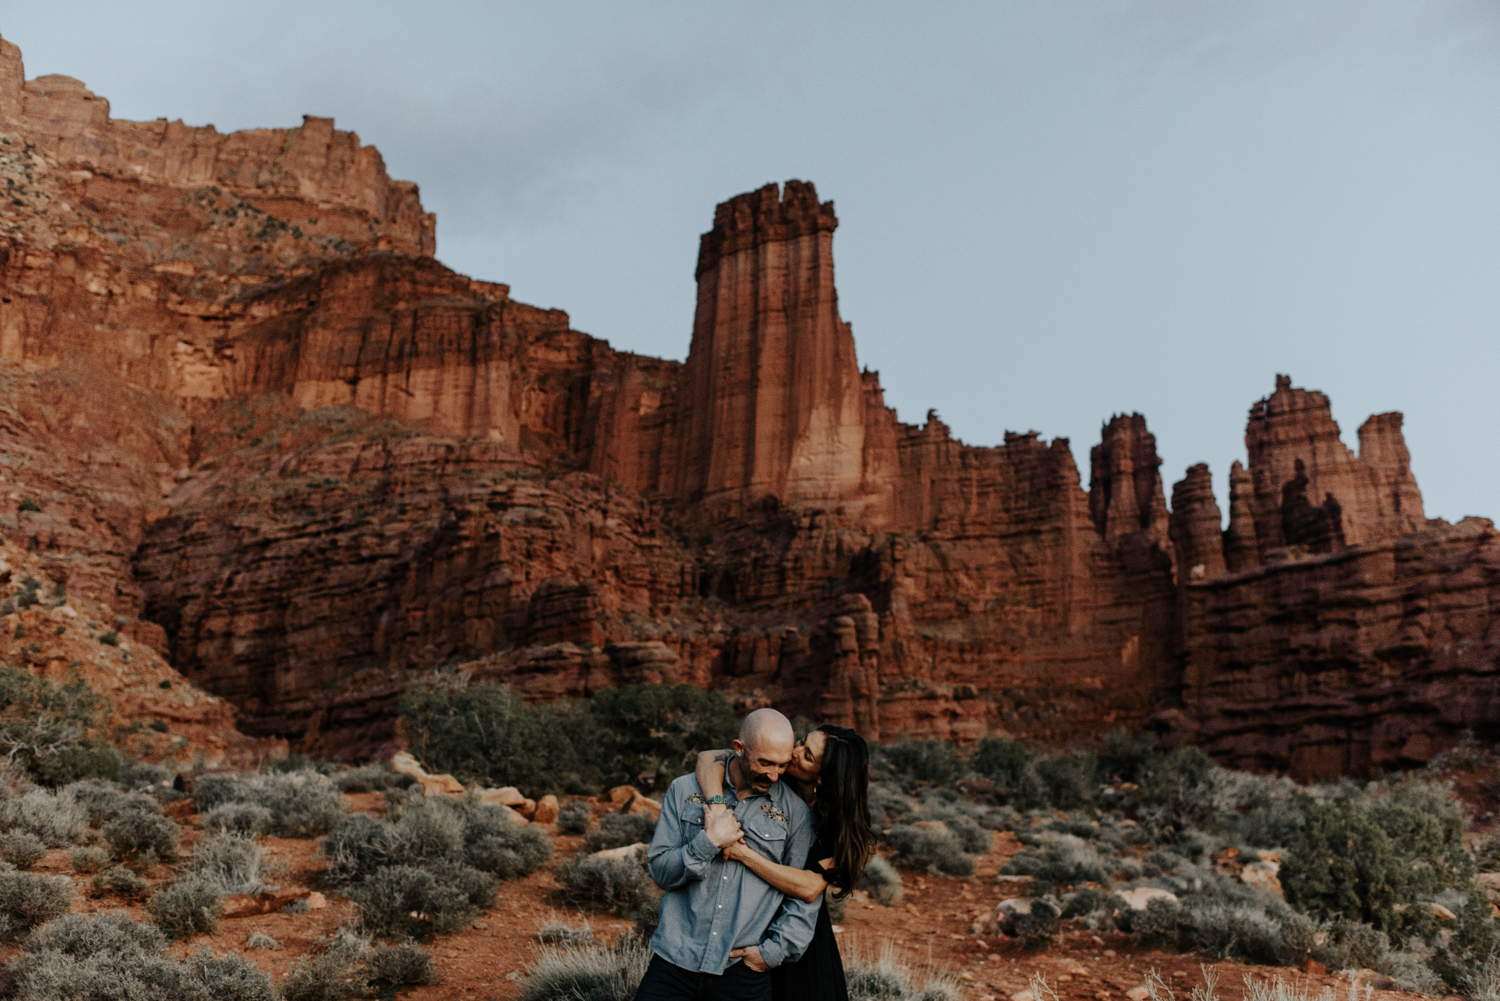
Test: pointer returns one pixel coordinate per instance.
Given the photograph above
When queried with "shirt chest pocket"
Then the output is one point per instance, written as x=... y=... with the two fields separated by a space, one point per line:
x=692 y=818
x=768 y=834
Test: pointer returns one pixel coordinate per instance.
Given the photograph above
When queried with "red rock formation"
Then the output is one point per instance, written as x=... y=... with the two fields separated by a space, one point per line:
x=1373 y=657
x=315 y=459
x=1375 y=491
x=1197 y=540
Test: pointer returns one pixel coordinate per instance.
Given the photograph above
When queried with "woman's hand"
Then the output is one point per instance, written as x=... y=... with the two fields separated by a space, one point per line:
x=737 y=851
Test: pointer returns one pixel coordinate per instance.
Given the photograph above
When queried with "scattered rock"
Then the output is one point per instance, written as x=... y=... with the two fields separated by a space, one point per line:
x=644 y=806
x=546 y=810
x=246 y=905
x=620 y=795
x=1138 y=994
x=316 y=901
x=1141 y=896
x=1315 y=968
x=637 y=850
x=1262 y=875
x=447 y=785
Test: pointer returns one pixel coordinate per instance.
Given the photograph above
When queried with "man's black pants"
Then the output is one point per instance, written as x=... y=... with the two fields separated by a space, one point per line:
x=665 y=982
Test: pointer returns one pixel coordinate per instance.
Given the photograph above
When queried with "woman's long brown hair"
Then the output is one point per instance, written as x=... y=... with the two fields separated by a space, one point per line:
x=841 y=806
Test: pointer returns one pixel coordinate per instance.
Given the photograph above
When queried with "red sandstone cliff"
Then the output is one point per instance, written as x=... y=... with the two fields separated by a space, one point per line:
x=314 y=460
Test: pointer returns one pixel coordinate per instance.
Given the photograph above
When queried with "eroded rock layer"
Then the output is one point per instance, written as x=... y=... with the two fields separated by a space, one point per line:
x=311 y=460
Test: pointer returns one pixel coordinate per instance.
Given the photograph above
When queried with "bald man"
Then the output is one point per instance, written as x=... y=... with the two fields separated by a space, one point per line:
x=713 y=908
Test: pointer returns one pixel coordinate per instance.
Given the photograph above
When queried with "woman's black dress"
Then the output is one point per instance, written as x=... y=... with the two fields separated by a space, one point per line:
x=819 y=974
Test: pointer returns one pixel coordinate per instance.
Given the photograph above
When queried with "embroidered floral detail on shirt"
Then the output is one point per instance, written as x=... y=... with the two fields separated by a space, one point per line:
x=694 y=797
x=775 y=814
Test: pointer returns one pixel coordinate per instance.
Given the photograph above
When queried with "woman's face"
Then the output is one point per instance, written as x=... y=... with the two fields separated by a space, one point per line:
x=807 y=756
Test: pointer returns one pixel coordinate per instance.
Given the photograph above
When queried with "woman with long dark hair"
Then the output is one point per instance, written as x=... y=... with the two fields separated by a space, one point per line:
x=831 y=769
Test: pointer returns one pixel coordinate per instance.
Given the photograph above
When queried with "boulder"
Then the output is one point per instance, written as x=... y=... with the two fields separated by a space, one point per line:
x=643 y=805
x=1489 y=882
x=635 y=851
x=546 y=810
x=407 y=765
x=1263 y=876
x=446 y=785
x=621 y=795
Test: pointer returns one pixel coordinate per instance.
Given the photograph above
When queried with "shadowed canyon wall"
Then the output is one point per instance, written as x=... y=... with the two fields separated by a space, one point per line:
x=320 y=461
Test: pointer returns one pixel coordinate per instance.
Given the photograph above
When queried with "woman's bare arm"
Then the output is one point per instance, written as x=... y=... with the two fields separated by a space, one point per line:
x=804 y=884
x=710 y=775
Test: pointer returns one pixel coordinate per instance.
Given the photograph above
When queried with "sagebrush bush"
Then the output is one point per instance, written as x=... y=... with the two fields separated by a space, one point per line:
x=374 y=777
x=260 y=940
x=302 y=803
x=1057 y=861
x=90 y=934
x=229 y=978
x=575 y=817
x=886 y=803
x=88 y=859
x=133 y=834
x=881 y=881
x=620 y=885
x=104 y=799
x=121 y=882
x=930 y=848
x=593 y=972
x=389 y=896
x=21 y=849
x=556 y=933
x=1039 y=926
x=234 y=863
x=239 y=818
x=57 y=819
x=404 y=964
x=918 y=762
x=28 y=900
x=187 y=907
x=321 y=978
x=616 y=830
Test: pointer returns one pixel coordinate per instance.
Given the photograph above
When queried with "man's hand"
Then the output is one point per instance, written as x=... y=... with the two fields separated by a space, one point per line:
x=722 y=829
x=751 y=955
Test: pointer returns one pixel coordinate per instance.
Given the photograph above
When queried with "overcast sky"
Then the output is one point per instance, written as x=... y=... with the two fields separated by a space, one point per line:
x=1050 y=212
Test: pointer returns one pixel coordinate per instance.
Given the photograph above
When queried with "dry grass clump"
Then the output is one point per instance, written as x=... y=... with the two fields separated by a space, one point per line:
x=120 y=882
x=331 y=973
x=557 y=933
x=563 y=973
x=232 y=862
x=374 y=777
x=885 y=976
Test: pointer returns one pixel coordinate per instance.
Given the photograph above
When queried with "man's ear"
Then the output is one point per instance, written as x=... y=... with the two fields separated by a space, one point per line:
x=739 y=748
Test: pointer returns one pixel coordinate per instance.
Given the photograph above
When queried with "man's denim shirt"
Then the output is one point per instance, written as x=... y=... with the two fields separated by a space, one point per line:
x=711 y=906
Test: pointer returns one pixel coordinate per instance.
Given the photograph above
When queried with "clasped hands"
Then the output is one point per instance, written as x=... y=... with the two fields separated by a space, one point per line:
x=724 y=831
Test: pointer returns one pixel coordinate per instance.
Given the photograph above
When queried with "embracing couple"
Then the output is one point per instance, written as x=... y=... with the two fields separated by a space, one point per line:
x=744 y=858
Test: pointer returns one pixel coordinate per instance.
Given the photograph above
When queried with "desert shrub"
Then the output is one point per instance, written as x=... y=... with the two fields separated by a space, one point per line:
x=103 y=800
x=616 y=830
x=232 y=862
x=593 y=972
x=930 y=848
x=374 y=777
x=260 y=940
x=575 y=817
x=121 y=882
x=88 y=859
x=389 y=896
x=1063 y=782
x=321 y=978
x=1002 y=761
x=1040 y=925
x=884 y=976
x=87 y=935
x=1177 y=787
x=21 y=849
x=959 y=817
x=511 y=852
x=886 y=803
x=133 y=834
x=919 y=762
x=1091 y=900
x=210 y=791
x=1158 y=922
x=486 y=732
x=28 y=900
x=228 y=978
x=646 y=734
x=404 y=964
x=881 y=881
x=45 y=729
x=621 y=885
x=302 y=803
x=56 y=819
x=561 y=934
x=239 y=818
x=187 y=907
